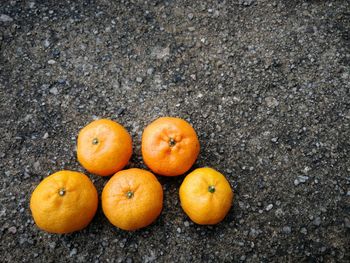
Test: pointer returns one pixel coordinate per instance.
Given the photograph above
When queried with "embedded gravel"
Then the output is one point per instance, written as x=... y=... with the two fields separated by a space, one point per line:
x=264 y=83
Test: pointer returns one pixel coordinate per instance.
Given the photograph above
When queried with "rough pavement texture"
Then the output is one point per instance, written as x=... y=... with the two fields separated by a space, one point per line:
x=265 y=84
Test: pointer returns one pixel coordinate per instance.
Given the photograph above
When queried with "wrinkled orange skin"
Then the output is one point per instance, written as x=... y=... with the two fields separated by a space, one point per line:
x=142 y=208
x=110 y=154
x=67 y=213
x=158 y=153
x=202 y=206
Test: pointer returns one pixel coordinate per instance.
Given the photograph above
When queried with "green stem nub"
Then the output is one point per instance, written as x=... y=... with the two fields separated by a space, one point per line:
x=129 y=194
x=211 y=188
x=172 y=142
x=95 y=141
x=62 y=192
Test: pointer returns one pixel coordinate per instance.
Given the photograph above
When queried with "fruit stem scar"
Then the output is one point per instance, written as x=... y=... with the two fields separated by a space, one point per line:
x=211 y=188
x=172 y=142
x=95 y=141
x=62 y=192
x=129 y=194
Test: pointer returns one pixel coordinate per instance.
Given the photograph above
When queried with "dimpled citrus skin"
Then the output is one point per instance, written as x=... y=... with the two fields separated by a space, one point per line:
x=143 y=205
x=170 y=146
x=201 y=205
x=104 y=147
x=64 y=202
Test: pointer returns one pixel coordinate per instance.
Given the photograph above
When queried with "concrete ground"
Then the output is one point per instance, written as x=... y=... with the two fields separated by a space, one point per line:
x=264 y=83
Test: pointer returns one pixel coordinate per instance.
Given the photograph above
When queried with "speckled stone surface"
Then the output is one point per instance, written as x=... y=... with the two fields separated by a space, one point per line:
x=264 y=83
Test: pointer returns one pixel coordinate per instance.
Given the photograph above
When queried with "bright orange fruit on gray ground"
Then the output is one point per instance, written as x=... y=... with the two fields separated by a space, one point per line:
x=132 y=199
x=170 y=146
x=104 y=147
x=206 y=196
x=64 y=202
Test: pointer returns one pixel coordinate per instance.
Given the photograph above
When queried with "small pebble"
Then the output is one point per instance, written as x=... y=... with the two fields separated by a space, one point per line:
x=323 y=249
x=274 y=140
x=246 y=2
x=51 y=62
x=120 y=111
x=286 y=229
x=73 y=252
x=22 y=240
x=187 y=224
x=139 y=80
x=12 y=230
x=36 y=165
x=150 y=71
x=61 y=81
x=317 y=221
x=26 y=174
x=271 y=102
x=191 y=29
x=269 y=207
x=54 y=91
x=347 y=222
x=46 y=43
x=5 y=18
x=56 y=53
x=306 y=169
x=300 y=180
x=303 y=230
x=122 y=243
x=52 y=245
x=160 y=52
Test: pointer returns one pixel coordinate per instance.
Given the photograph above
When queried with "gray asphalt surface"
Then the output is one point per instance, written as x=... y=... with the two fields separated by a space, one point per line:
x=264 y=83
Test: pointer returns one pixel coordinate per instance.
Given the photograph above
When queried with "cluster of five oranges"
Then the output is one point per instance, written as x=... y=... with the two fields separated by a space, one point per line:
x=66 y=201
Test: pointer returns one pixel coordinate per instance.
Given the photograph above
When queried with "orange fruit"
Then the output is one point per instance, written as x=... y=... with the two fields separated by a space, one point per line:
x=104 y=147
x=206 y=196
x=64 y=202
x=170 y=146
x=132 y=199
